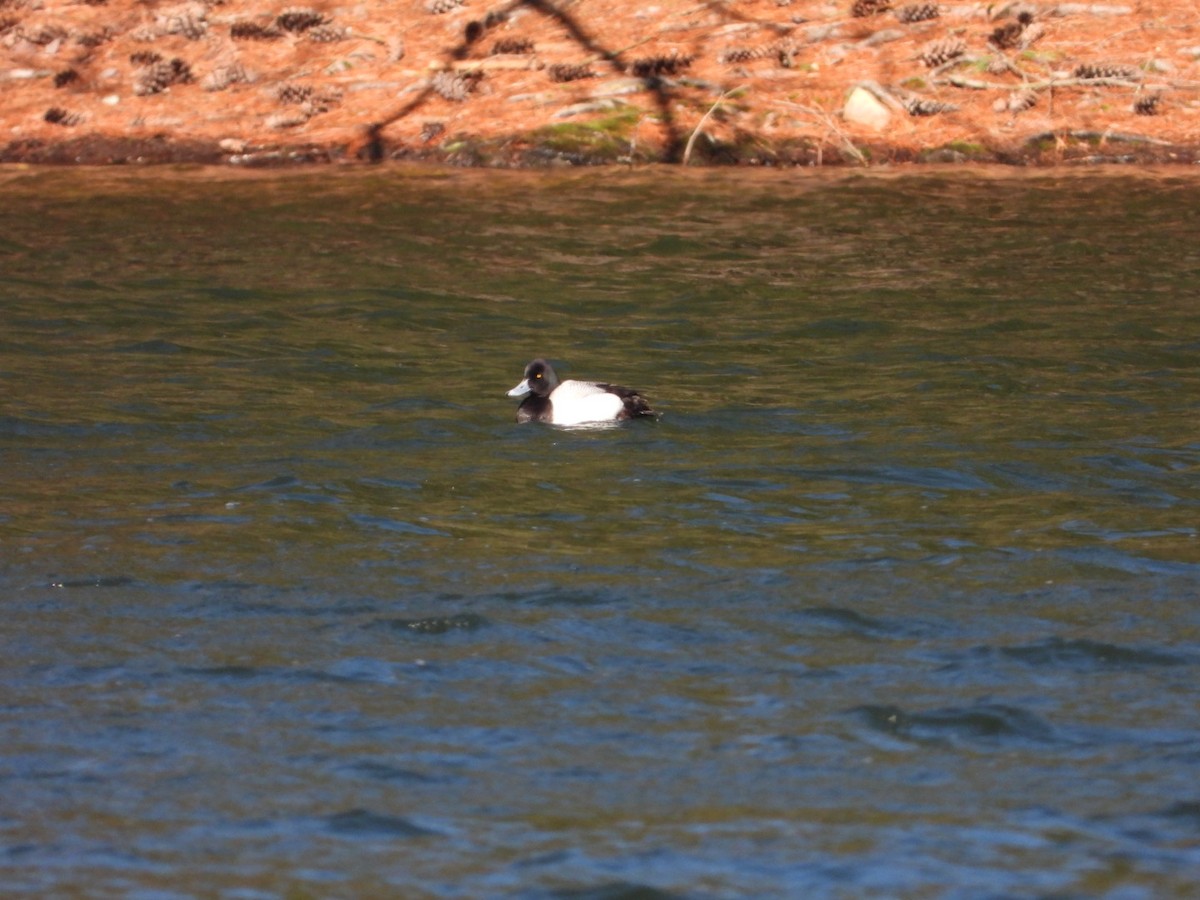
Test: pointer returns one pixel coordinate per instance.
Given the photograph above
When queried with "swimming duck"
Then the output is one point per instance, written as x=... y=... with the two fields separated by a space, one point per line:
x=574 y=402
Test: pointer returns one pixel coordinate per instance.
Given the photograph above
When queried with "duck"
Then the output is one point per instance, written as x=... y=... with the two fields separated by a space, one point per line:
x=574 y=402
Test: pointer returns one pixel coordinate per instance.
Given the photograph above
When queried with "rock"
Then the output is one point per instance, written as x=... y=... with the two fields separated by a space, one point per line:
x=884 y=36
x=1065 y=10
x=863 y=108
x=946 y=155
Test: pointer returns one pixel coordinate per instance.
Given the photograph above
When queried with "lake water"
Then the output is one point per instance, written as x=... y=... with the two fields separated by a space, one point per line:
x=899 y=598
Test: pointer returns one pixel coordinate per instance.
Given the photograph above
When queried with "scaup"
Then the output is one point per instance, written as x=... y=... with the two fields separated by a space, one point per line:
x=574 y=402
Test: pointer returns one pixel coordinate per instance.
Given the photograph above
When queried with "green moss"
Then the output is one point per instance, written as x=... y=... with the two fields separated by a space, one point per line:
x=956 y=151
x=1040 y=56
x=914 y=83
x=602 y=139
x=968 y=148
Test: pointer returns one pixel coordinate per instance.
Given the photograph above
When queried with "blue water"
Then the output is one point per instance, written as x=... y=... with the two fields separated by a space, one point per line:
x=898 y=597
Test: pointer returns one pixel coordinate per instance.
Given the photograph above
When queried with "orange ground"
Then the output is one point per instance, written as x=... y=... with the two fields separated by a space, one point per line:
x=548 y=81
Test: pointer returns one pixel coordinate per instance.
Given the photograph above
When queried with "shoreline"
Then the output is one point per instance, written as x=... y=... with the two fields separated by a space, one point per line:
x=1069 y=149
x=538 y=84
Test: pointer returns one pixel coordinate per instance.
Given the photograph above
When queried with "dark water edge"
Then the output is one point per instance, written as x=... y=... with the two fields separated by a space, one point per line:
x=897 y=599
x=1068 y=148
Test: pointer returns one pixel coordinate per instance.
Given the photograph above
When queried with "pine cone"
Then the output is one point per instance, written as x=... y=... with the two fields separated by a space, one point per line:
x=156 y=75
x=181 y=72
x=563 y=73
x=89 y=39
x=1107 y=70
x=863 y=8
x=438 y=7
x=57 y=116
x=65 y=77
x=512 y=45
x=145 y=58
x=919 y=106
x=918 y=12
x=650 y=66
x=1006 y=37
x=252 y=31
x=293 y=93
x=1148 y=105
x=455 y=85
x=328 y=34
x=47 y=34
x=322 y=101
x=783 y=51
x=299 y=18
x=738 y=54
x=154 y=78
x=937 y=53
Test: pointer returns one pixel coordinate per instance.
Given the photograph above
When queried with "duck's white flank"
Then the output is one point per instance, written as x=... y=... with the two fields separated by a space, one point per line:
x=582 y=403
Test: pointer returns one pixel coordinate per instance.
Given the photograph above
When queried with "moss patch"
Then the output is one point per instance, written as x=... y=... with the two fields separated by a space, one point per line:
x=600 y=140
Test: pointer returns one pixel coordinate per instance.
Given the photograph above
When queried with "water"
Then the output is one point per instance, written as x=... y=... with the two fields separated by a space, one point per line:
x=898 y=598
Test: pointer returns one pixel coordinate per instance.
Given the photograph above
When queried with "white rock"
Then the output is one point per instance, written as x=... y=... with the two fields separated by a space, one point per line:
x=863 y=108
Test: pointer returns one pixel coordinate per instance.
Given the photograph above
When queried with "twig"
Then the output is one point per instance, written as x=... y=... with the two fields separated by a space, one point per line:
x=1014 y=68
x=830 y=125
x=687 y=150
x=951 y=64
x=960 y=81
x=720 y=7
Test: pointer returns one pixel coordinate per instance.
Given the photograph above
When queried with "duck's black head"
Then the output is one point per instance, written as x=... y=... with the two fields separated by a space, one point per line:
x=540 y=380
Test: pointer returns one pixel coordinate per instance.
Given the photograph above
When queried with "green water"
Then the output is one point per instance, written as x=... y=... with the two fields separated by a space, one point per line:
x=896 y=599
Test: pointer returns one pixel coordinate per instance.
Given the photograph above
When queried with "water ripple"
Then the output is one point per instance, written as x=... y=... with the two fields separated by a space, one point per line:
x=363 y=823
x=984 y=724
x=1087 y=655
